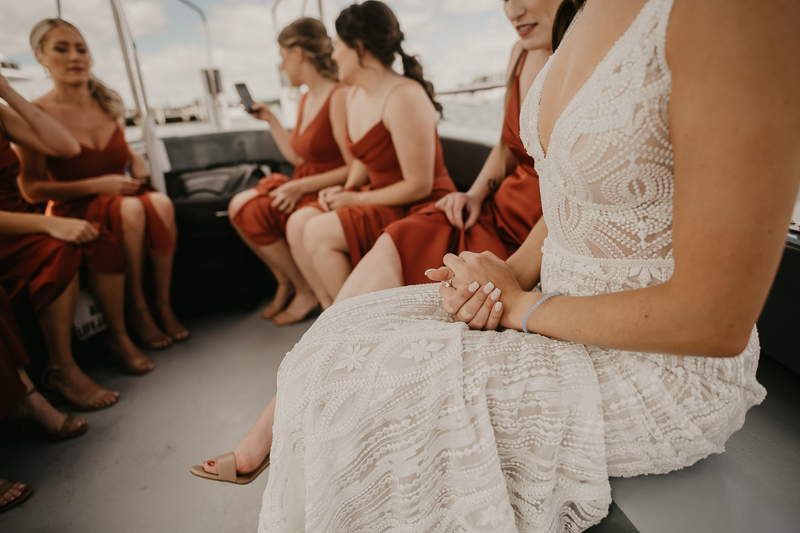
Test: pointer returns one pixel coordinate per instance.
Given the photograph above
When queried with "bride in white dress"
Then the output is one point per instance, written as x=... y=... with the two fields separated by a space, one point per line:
x=393 y=415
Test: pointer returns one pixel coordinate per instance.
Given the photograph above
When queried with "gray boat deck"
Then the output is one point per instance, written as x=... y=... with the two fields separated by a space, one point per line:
x=130 y=472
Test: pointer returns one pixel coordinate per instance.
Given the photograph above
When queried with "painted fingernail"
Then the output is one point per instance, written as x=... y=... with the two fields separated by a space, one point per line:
x=498 y=307
x=429 y=270
x=495 y=295
x=488 y=288
x=473 y=287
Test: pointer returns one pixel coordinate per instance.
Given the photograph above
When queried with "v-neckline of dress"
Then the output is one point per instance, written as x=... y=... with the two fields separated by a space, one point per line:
x=586 y=84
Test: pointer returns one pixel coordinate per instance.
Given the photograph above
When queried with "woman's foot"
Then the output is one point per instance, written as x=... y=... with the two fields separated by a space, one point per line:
x=248 y=458
x=13 y=493
x=171 y=324
x=146 y=329
x=303 y=304
x=134 y=361
x=69 y=381
x=34 y=407
x=282 y=295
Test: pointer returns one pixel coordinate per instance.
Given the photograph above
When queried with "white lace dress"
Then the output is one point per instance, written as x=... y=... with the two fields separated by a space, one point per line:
x=391 y=417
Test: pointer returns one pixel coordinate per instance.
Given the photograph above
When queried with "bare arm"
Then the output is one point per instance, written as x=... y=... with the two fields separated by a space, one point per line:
x=278 y=132
x=65 y=229
x=735 y=128
x=27 y=125
x=36 y=187
x=411 y=120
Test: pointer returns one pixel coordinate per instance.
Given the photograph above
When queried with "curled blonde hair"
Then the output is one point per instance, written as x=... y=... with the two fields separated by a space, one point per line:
x=108 y=99
x=312 y=38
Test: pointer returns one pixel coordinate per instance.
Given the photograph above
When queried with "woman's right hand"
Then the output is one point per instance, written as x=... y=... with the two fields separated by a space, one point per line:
x=324 y=195
x=262 y=112
x=453 y=206
x=72 y=230
x=115 y=184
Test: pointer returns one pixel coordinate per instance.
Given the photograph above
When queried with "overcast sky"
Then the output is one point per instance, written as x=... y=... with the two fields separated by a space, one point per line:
x=457 y=40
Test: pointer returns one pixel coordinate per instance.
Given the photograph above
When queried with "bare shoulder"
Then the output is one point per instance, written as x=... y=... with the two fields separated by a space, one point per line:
x=339 y=97
x=408 y=102
x=750 y=40
x=516 y=51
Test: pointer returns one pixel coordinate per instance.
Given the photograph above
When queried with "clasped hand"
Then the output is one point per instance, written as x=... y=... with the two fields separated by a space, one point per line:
x=332 y=198
x=286 y=196
x=482 y=287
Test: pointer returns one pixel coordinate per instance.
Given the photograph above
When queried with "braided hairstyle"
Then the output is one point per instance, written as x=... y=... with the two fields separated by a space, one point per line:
x=372 y=27
x=310 y=35
x=564 y=16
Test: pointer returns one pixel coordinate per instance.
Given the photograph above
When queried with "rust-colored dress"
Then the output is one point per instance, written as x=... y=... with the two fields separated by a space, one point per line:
x=102 y=208
x=39 y=263
x=12 y=356
x=258 y=219
x=506 y=217
x=363 y=224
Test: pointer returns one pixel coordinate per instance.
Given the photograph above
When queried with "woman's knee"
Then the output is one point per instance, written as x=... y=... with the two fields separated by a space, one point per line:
x=163 y=206
x=239 y=200
x=296 y=224
x=322 y=232
x=132 y=212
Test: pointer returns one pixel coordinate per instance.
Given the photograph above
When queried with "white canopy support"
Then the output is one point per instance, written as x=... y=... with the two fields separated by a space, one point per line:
x=156 y=153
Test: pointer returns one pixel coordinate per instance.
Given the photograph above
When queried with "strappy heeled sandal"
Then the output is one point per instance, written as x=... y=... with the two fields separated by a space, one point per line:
x=180 y=336
x=227 y=470
x=64 y=432
x=24 y=493
x=57 y=397
x=153 y=343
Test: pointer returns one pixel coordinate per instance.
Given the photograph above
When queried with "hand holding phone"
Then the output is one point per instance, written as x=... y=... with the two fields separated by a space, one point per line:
x=244 y=94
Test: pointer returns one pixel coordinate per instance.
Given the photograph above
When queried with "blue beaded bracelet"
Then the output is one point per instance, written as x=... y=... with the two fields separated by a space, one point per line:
x=537 y=304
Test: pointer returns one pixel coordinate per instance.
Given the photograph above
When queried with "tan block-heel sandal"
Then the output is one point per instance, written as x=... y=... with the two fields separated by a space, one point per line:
x=227 y=470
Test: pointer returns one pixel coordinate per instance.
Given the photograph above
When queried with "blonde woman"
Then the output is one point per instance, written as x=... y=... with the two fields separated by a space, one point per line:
x=93 y=185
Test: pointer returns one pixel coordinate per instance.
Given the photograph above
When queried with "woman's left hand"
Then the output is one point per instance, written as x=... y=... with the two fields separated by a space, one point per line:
x=286 y=196
x=341 y=199
x=469 y=272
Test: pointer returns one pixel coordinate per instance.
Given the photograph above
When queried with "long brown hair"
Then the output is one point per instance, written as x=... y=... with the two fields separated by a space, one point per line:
x=310 y=35
x=373 y=27
x=564 y=16
x=108 y=99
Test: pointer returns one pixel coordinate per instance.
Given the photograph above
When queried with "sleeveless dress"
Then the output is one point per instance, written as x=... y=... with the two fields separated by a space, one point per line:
x=12 y=356
x=390 y=416
x=506 y=217
x=363 y=224
x=40 y=264
x=262 y=223
x=103 y=208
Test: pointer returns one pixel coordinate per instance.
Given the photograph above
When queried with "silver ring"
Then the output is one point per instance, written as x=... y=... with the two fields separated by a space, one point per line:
x=449 y=282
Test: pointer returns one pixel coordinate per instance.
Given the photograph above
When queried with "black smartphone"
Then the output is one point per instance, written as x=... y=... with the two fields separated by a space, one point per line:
x=244 y=94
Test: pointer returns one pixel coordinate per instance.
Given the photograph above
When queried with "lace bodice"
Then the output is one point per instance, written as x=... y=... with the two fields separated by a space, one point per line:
x=607 y=178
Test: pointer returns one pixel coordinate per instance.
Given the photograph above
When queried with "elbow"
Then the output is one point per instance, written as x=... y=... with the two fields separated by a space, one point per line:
x=421 y=192
x=31 y=193
x=73 y=150
x=722 y=341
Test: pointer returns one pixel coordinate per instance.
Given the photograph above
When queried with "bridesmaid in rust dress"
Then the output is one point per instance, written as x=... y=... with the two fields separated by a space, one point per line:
x=93 y=185
x=318 y=150
x=40 y=257
x=398 y=166
x=503 y=204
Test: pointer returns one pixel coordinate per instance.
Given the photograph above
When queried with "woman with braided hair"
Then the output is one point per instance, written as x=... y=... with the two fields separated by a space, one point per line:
x=391 y=133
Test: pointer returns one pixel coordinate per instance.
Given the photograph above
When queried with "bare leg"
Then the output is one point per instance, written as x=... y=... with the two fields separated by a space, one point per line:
x=327 y=246
x=62 y=373
x=109 y=289
x=35 y=407
x=250 y=453
x=285 y=288
x=162 y=269
x=133 y=225
x=295 y=235
x=378 y=270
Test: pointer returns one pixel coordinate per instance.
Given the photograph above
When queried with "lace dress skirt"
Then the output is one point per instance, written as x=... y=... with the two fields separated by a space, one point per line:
x=391 y=417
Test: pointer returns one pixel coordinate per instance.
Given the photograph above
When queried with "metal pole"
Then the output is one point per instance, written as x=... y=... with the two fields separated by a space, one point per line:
x=205 y=29
x=124 y=46
x=58 y=7
x=320 y=11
